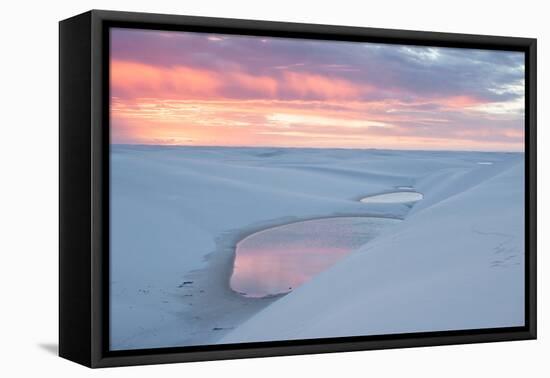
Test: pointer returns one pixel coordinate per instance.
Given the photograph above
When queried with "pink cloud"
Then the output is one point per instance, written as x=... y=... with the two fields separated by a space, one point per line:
x=132 y=79
x=141 y=80
x=318 y=86
x=191 y=105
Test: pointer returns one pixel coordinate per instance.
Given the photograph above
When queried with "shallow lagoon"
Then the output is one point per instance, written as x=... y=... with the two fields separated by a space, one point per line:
x=394 y=197
x=279 y=259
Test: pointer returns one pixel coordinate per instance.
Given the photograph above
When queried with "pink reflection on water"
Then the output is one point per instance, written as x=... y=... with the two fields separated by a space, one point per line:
x=279 y=259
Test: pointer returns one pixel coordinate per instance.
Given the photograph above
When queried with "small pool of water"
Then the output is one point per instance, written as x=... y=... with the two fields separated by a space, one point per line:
x=394 y=197
x=279 y=259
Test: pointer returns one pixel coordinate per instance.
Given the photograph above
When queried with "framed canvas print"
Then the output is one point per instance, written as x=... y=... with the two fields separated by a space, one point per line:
x=234 y=188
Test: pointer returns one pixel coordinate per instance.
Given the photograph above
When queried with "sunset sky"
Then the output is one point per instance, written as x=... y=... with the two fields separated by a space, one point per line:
x=181 y=88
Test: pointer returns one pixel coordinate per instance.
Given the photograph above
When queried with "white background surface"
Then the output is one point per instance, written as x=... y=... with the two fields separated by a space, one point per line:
x=28 y=163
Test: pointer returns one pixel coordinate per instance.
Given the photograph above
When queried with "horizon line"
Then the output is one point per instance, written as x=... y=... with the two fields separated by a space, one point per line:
x=313 y=148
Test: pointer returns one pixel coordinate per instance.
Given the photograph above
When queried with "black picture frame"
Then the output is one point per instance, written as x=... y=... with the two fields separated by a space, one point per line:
x=84 y=188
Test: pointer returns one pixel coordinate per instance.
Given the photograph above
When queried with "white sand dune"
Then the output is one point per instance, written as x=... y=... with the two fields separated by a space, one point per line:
x=177 y=213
